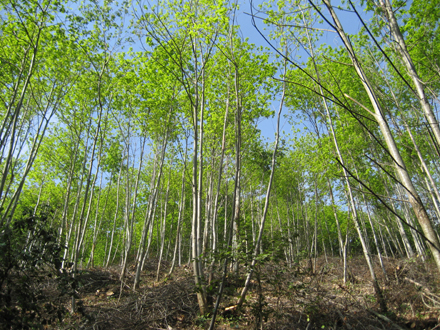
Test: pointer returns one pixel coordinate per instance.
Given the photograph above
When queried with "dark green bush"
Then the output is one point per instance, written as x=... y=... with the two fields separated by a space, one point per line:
x=30 y=269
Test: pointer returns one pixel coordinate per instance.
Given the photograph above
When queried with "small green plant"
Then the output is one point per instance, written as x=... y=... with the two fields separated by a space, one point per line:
x=202 y=320
x=370 y=298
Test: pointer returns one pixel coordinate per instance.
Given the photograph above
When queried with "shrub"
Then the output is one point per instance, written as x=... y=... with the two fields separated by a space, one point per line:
x=29 y=257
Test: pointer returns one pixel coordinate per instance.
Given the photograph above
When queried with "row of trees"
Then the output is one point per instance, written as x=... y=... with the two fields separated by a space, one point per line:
x=156 y=151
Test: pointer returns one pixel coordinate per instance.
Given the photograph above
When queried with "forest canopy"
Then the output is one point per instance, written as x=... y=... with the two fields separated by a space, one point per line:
x=139 y=130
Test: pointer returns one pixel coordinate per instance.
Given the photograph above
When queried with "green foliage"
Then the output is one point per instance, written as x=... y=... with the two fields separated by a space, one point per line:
x=29 y=256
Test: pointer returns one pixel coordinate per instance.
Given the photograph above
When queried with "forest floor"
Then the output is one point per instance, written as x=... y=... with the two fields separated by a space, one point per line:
x=281 y=297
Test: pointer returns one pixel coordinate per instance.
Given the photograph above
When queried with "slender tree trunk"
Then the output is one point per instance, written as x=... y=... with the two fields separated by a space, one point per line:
x=400 y=46
x=5 y=132
x=316 y=228
x=197 y=180
x=141 y=254
x=406 y=243
x=130 y=219
x=115 y=216
x=376 y=241
x=97 y=225
x=181 y=212
x=73 y=223
x=344 y=255
x=338 y=226
x=219 y=180
x=67 y=196
x=163 y=226
x=81 y=230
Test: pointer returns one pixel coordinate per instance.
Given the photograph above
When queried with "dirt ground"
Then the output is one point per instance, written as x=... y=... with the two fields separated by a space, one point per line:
x=281 y=297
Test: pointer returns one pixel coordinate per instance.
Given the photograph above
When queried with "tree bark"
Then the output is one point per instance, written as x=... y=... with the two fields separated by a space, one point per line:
x=400 y=46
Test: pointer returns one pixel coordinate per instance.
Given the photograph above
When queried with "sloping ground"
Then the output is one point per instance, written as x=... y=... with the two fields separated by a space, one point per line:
x=280 y=298
x=106 y=303
x=303 y=299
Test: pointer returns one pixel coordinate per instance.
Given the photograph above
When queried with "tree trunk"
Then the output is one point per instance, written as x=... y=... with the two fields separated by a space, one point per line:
x=400 y=46
x=163 y=227
x=115 y=216
x=141 y=254
x=181 y=212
